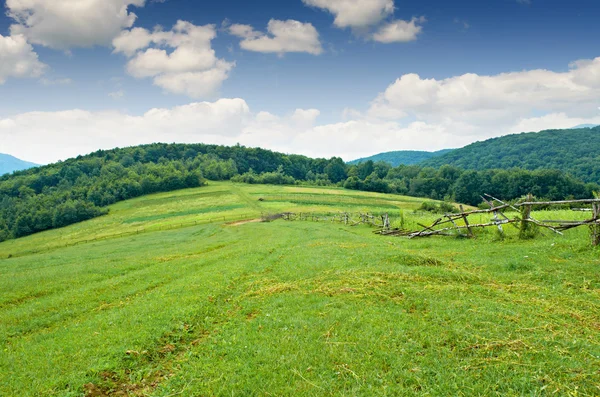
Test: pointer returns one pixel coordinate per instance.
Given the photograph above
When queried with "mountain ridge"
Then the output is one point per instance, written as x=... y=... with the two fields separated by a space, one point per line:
x=9 y=164
x=574 y=151
x=401 y=157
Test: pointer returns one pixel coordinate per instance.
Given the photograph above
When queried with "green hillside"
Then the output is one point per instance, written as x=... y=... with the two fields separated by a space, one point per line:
x=10 y=164
x=402 y=157
x=575 y=151
x=170 y=295
x=82 y=188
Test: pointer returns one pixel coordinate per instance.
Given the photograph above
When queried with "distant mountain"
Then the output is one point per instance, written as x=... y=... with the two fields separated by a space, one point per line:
x=575 y=151
x=402 y=157
x=10 y=164
x=584 y=126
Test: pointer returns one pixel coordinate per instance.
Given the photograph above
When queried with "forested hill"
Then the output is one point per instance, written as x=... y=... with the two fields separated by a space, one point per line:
x=10 y=164
x=68 y=192
x=402 y=157
x=575 y=151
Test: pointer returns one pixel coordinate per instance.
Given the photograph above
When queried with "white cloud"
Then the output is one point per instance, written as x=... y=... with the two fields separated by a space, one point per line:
x=116 y=95
x=190 y=68
x=358 y=138
x=282 y=37
x=50 y=82
x=64 y=24
x=355 y=13
x=130 y=41
x=50 y=136
x=305 y=117
x=17 y=58
x=399 y=31
x=551 y=121
x=195 y=84
x=500 y=99
x=412 y=114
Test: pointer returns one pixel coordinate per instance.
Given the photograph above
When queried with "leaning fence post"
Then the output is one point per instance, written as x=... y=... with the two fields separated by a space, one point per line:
x=466 y=219
x=595 y=227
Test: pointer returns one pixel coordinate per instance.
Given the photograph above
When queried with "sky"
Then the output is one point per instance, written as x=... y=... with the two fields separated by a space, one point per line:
x=323 y=78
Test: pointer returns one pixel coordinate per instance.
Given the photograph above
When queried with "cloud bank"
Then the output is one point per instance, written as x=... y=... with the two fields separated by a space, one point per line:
x=412 y=113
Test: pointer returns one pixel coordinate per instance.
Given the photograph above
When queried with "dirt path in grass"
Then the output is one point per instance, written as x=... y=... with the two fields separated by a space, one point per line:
x=239 y=223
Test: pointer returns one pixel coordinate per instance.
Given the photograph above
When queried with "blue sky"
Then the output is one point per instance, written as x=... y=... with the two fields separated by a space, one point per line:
x=332 y=77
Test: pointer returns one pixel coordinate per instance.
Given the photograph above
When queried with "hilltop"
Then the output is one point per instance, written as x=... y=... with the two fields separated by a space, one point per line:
x=401 y=157
x=574 y=151
x=10 y=164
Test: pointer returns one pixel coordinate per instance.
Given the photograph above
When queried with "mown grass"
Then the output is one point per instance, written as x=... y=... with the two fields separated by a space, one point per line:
x=295 y=308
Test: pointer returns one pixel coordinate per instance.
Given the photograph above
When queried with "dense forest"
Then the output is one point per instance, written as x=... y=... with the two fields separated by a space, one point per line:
x=78 y=189
x=450 y=183
x=402 y=157
x=575 y=151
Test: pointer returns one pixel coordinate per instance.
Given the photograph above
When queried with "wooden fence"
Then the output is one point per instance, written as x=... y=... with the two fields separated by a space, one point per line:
x=448 y=225
x=453 y=224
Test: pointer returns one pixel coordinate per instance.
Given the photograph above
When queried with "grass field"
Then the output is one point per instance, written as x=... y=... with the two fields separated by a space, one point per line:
x=174 y=299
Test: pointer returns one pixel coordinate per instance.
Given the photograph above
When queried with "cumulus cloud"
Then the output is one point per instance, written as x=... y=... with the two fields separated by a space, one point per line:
x=18 y=59
x=411 y=114
x=64 y=24
x=371 y=19
x=399 y=31
x=282 y=37
x=498 y=99
x=51 y=136
x=355 y=13
x=130 y=41
x=190 y=68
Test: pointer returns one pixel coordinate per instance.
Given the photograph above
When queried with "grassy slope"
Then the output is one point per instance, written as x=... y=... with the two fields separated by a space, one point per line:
x=295 y=308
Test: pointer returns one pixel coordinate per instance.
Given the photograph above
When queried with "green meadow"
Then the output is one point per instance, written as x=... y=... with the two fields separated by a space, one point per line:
x=179 y=294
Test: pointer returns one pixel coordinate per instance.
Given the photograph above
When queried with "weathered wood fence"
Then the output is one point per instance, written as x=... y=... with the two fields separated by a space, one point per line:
x=381 y=221
x=448 y=224
x=453 y=224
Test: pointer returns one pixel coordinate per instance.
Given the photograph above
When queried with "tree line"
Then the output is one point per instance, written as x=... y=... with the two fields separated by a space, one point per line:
x=574 y=151
x=78 y=189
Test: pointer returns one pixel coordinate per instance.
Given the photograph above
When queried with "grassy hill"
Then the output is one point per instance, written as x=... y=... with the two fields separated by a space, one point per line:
x=402 y=157
x=576 y=151
x=171 y=295
x=10 y=164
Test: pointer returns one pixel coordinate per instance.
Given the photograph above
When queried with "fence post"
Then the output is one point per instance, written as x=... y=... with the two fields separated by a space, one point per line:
x=466 y=220
x=527 y=227
x=595 y=227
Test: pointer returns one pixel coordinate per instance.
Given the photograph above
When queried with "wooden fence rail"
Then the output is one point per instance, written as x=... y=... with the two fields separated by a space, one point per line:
x=525 y=221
